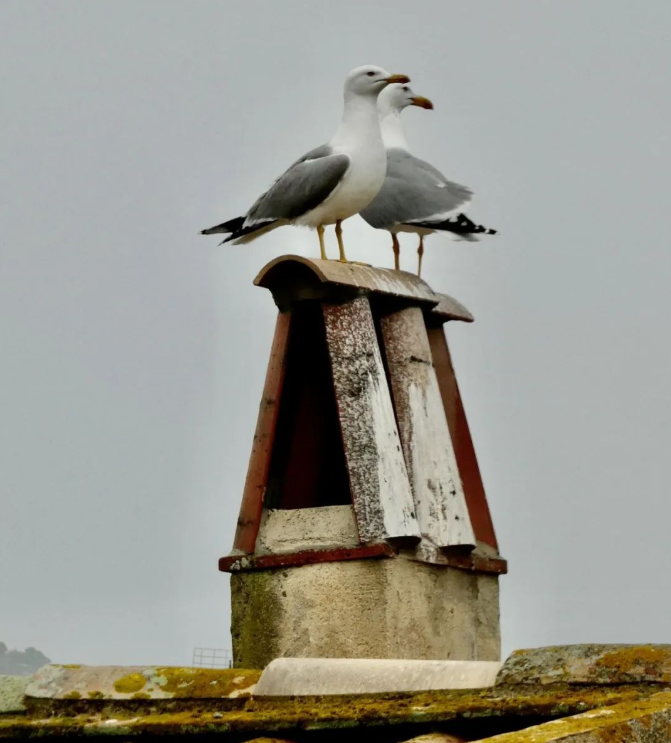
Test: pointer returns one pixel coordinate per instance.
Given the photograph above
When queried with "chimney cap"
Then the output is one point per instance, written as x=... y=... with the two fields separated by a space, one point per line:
x=448 y=308
x=292 y=278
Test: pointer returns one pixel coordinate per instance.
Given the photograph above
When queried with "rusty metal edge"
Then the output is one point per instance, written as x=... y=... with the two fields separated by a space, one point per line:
x=475 y=563
x=455 y=557
x=248 y=563
x=467 y=461
x=243 y=563
x=251 y=506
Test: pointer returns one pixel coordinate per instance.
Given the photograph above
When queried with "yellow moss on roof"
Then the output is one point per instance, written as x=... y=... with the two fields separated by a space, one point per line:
x=205 y=683
x=130 y=684
x=635 y=660
x=589 y=664
x=611 y=724
x=267 y=716
x=179 y=683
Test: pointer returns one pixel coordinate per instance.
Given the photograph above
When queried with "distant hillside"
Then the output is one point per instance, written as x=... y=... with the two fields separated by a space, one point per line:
x=21 y=662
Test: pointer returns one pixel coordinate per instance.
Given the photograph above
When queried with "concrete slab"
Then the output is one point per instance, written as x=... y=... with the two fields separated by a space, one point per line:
x=323 y=676
x=589 y=664
x=295 y=530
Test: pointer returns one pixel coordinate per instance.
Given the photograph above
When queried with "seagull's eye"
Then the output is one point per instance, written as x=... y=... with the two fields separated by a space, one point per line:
x=406 y=88
x=370 y=74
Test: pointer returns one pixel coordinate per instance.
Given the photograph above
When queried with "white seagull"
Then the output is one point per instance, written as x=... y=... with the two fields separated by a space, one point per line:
x=415 y=196
x=332 y=182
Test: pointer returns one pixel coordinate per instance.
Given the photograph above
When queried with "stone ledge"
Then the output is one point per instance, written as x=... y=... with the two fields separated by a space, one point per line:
x=12 y=689
x=567 y=694
x=646 y=721
x=122 y=683
x=589 y=664
x=495 y=709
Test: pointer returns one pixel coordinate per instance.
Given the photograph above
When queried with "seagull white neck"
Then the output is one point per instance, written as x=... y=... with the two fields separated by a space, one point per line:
x=392 y=131
x=359 y=118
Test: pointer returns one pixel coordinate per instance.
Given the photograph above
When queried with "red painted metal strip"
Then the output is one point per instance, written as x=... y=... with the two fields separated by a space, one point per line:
x=259 y=463
x=242 y=563
x=476 y=563
x=474 y=490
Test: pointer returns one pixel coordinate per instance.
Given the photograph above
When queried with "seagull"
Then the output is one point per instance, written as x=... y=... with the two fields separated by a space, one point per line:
x=415 y=196
x=330 y=183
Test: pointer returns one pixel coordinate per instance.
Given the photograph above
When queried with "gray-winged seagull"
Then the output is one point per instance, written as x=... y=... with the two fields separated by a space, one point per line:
x=415 y=197
x=332 y=182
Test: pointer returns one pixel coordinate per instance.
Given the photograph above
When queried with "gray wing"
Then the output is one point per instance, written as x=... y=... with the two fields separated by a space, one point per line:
x=305 y=185
x=413 y=191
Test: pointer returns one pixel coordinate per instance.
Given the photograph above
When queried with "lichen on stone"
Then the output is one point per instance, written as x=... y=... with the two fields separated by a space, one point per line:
x=12 y=689
x=130 y=684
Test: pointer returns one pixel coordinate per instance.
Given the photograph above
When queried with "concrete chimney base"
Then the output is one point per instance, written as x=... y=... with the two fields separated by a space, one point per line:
x=382 y=608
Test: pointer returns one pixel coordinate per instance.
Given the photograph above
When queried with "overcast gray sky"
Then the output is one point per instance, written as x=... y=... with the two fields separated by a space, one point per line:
x=134 y=351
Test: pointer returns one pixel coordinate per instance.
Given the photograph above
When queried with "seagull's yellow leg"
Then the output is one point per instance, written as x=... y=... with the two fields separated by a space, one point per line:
x=322 y=248
x=420 y=253
x=397 y=251
x=341 y=247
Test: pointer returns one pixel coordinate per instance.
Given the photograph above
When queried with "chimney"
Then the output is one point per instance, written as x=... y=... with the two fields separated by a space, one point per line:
x=364 y=529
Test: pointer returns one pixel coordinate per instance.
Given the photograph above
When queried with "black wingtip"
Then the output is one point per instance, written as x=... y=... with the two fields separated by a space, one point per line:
x=233 y=225
x=459 y=225
x=244 y=231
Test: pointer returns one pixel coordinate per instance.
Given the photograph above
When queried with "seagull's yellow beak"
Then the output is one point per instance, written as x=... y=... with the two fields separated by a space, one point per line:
x=397 y=79
x=422 y=102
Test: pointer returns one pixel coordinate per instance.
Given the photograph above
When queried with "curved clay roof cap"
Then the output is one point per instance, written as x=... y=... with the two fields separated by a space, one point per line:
x=293 y=277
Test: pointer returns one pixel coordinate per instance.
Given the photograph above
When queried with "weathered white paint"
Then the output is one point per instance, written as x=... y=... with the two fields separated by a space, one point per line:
x=438 y=493
x=321 y=676
x=392 y=476
x=377 y=473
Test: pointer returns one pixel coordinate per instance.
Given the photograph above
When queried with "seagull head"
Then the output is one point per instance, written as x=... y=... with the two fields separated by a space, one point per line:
x=369 y=80
x=397 y=96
